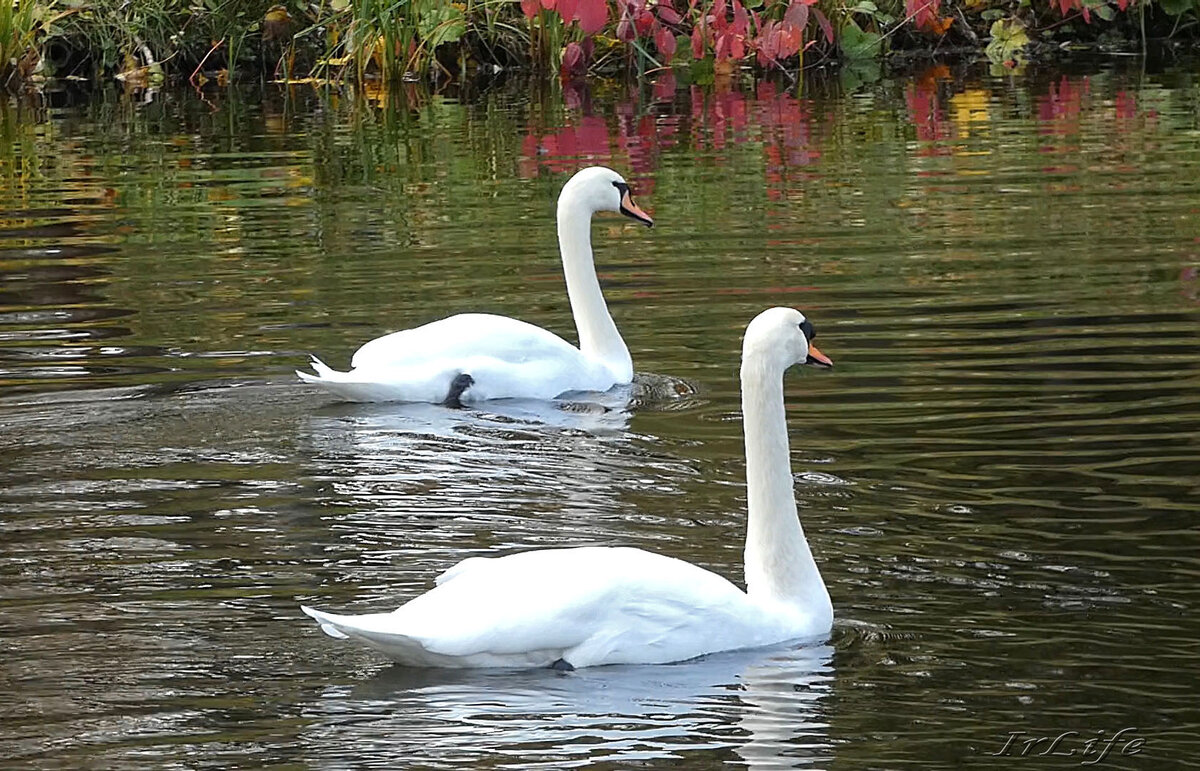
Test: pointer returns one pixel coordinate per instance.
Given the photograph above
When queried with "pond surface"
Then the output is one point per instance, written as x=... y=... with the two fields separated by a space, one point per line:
x=1000 y=478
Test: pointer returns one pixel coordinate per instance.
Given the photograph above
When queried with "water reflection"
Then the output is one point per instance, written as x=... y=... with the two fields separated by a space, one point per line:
x=768 y=707
x=1000 y=473
x=514 y=474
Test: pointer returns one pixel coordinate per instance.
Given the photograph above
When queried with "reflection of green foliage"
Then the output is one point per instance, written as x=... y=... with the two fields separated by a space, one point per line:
x=341 y=214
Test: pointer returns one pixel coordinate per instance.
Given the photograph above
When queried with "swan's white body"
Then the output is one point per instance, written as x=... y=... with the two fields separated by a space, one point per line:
x=504 y=357
x=604 y=605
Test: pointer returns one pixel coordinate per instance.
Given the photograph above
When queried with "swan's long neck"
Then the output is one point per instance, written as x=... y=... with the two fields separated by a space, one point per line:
x=779 y=564
x=598 y=335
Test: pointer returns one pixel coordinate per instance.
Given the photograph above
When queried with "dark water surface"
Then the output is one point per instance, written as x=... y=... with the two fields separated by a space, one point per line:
x=1000 y=479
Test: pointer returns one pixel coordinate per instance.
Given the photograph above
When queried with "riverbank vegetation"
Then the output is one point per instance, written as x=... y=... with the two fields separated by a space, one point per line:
x=144 y=42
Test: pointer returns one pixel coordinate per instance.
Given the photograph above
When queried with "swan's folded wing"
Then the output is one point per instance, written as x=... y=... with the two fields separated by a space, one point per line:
x=560 y=599
x=460 y=337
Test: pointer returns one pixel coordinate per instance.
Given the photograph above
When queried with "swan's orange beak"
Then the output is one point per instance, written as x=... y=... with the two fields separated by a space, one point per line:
x=631 y=209
x=817 y=358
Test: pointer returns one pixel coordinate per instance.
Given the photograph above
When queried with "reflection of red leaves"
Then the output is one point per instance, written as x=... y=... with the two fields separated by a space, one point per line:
x=1125 y=104
x=927 y=116
x=664 y=86
x=635 y=138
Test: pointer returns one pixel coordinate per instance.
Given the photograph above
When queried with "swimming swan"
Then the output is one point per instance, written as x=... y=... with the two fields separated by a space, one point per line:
x=596 y=605
x=472 y=357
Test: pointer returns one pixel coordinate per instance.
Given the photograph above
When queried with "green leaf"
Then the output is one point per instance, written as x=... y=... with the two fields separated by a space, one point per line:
x=1008 y=41
x=857 y=43
x=865 y=6
x=992 y=14
x=1106 y=12
x=702 y=71
x=1177 y=7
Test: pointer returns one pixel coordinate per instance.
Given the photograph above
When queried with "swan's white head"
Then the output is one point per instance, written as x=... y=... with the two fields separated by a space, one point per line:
x=597 y=188
x=782 y=337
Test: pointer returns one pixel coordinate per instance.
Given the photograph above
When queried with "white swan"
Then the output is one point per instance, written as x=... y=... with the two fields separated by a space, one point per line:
x=472 y=357
x=603 y=605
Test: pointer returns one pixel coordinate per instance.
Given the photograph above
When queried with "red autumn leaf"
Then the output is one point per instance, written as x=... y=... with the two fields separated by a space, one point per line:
x=718 y=14
x=737 y=48
x=939 y=26
x=664 y=41
x=722 y=49
x=572 y=61
x=790 y=40
x=767 y=38
x=671 y=16
x=644 y=21
x=697 y=42
x=796 y=15
x=593 y=15
x=741 y=19
x=625 y=31
x=822 y=22
x=530 y=8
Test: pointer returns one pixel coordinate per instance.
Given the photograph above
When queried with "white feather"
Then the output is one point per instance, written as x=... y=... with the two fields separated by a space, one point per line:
x=505 y=358
x=614 y=605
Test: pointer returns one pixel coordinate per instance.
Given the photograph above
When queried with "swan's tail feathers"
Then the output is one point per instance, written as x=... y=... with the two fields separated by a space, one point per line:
x=325 y=373
x=351 y=386
x=326 y=622
x=378 y=630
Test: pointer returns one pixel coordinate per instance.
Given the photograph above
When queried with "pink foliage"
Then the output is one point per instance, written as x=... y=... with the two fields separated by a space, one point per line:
x=573 y=60
x=568 y=9
x=625 y=31
x=592 y=15
x=664 y=41
x=727 y=28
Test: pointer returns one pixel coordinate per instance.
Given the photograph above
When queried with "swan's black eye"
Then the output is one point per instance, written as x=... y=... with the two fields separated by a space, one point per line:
x=806 y=327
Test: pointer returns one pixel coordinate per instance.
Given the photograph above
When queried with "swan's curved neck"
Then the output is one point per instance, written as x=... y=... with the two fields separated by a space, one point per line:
x=779 y=564
x=598 y=335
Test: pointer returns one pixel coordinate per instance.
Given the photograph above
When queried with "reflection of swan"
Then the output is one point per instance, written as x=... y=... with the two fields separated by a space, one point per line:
x=473 y=357
x=602 y=605
x=764 y=703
